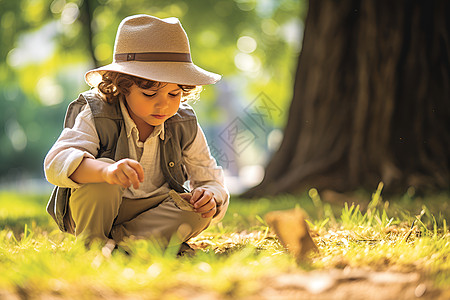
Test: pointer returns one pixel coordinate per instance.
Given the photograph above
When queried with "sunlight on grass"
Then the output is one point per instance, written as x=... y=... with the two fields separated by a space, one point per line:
x=233 y=259
x=15 y=205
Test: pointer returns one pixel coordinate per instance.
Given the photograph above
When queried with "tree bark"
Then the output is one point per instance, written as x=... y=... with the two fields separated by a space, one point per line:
x=371 y=100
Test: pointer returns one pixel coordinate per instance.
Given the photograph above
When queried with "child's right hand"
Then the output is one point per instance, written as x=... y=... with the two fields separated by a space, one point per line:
x=125 y=172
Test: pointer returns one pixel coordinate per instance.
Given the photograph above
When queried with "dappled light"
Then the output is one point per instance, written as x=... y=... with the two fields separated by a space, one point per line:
x=48 y=45
x=288 y=149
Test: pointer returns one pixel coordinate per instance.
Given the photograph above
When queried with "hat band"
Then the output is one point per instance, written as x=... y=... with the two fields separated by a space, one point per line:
x=153 y=56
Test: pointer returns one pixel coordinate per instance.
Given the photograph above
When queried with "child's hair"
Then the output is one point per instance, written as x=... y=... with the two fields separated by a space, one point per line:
x=115 y=83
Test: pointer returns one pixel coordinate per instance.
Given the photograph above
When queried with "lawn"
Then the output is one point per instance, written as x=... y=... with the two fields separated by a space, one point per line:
x=375 y=248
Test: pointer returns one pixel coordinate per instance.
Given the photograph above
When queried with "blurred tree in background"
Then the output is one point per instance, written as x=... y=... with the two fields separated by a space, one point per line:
x=371 y=100
x=48 y=45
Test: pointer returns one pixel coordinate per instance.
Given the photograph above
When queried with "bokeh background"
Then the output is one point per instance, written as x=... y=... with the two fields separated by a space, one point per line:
x=47 y=46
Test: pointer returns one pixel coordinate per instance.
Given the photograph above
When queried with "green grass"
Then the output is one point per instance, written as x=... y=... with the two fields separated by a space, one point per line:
x=234 y=258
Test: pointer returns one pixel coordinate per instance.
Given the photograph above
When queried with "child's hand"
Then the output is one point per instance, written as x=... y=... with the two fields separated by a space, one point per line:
x=204 y=202
x=125 y=172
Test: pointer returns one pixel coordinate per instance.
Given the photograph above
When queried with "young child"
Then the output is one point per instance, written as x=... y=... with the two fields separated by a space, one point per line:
x=131 y=140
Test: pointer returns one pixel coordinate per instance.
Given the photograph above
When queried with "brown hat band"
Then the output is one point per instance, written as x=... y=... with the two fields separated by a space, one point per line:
x=154 y=56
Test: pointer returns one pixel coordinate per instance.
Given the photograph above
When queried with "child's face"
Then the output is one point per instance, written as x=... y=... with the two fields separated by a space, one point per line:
x=154 y=105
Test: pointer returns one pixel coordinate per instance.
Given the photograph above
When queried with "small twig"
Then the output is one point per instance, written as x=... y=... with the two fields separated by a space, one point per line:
x=413 y=223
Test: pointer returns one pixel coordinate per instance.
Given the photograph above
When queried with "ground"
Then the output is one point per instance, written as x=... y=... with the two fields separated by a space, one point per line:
x=380 y=249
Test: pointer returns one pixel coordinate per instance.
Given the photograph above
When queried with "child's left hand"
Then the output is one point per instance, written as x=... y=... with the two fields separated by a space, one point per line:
x=204 y=202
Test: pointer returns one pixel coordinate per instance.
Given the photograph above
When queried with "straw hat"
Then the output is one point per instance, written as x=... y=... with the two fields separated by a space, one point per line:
x=154 y=49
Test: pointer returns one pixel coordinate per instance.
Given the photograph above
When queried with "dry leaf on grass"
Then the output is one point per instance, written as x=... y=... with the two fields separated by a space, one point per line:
x=292 y=231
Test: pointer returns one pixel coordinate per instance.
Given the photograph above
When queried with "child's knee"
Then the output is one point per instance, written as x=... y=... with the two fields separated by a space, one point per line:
x=93 y=208
x=97 y=194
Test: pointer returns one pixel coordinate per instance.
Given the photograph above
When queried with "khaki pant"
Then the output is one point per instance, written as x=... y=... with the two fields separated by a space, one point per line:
x=100 y=212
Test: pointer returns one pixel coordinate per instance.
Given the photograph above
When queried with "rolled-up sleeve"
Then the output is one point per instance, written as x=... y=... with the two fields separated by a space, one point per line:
x=72 y=146
x=203 y=172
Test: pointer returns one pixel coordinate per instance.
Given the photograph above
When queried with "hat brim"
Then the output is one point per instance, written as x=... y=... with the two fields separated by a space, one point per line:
x=172 y=72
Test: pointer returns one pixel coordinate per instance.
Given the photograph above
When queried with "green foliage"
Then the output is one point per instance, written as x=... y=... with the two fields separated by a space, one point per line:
x=28 y=130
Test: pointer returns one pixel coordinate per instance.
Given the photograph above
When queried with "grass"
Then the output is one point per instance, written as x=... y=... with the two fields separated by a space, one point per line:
x=235 y=258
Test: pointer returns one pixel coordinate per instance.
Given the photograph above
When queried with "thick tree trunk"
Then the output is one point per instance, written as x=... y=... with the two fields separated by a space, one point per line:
x=371 y=100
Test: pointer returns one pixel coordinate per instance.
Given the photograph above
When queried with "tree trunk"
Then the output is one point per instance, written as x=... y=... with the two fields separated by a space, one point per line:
x=371 y=100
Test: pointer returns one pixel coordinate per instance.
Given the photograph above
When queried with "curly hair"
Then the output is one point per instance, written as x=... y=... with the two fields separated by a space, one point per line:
x=114 y=83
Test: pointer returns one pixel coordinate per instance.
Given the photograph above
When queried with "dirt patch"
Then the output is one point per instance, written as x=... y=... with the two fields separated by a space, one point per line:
x=351 y=284
x=335 y=284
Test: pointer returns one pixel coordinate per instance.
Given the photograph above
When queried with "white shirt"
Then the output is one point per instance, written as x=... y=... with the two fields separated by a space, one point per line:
x=74 y=144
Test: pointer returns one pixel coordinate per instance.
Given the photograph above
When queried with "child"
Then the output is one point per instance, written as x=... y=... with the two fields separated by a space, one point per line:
x=131 y=140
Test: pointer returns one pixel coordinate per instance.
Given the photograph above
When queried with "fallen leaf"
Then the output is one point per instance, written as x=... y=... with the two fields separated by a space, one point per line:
x=181 y=202
x=292 y=231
